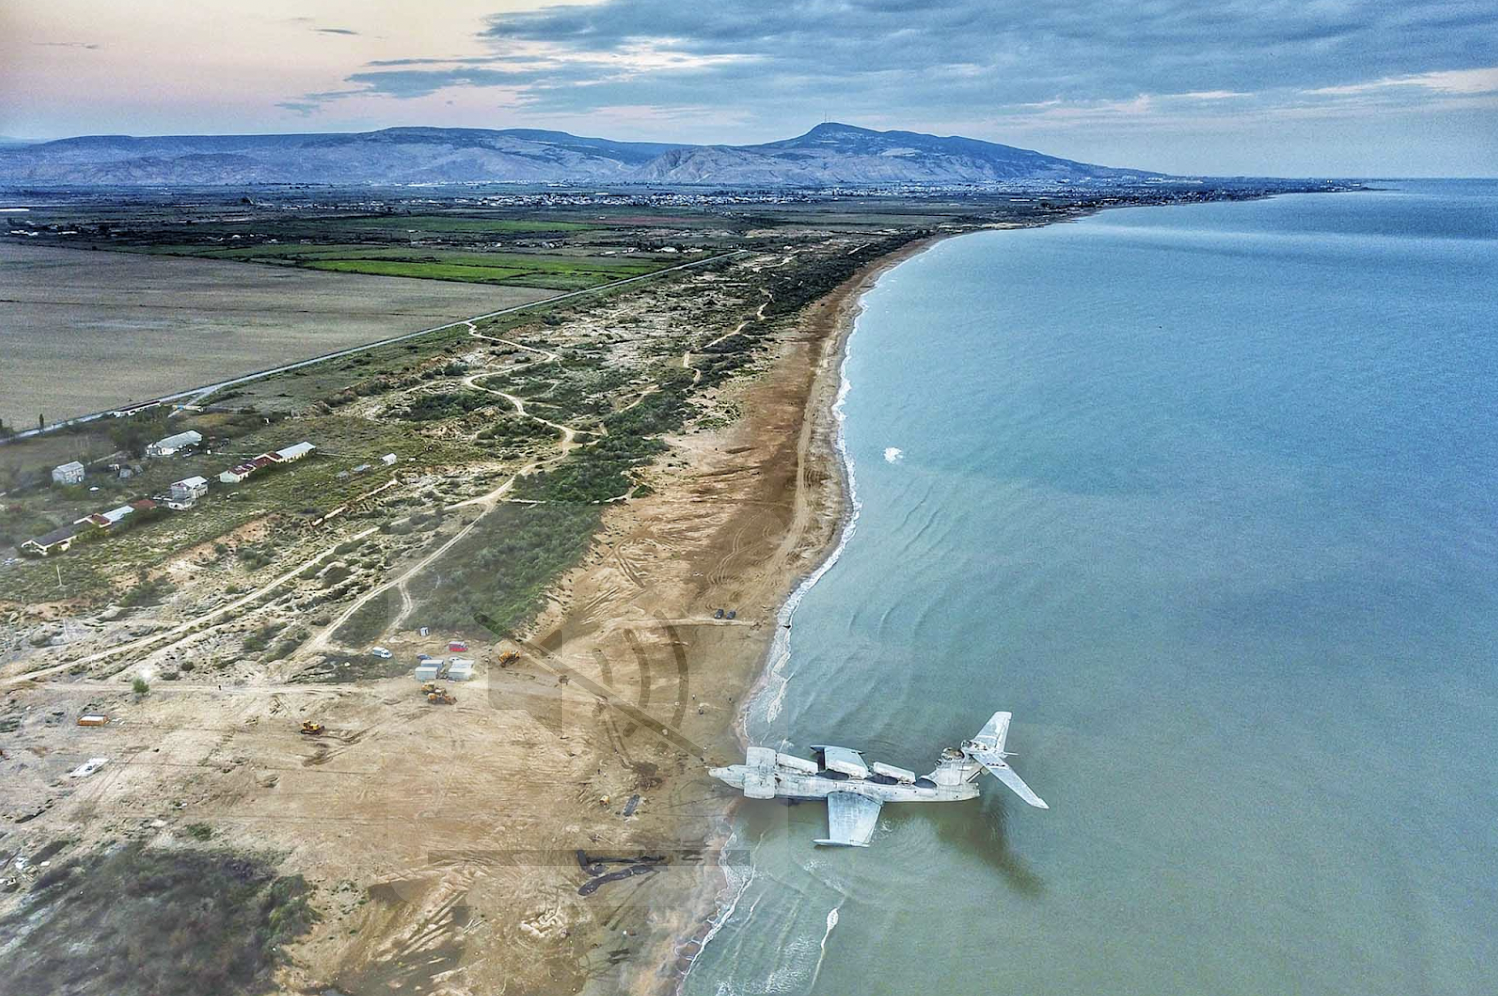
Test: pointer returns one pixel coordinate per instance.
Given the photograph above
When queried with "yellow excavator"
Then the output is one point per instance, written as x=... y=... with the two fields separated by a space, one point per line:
x=507 y=658
x=437 y=695
x=311 y=729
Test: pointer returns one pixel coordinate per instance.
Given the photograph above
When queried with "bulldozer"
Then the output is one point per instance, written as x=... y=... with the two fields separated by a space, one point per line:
x=440 y=697
x=507 y=658
x=311 y=729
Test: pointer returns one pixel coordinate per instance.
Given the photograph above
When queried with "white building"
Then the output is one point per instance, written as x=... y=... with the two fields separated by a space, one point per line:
x=174 y=444
x=189 y=488
x=68 y=473
x=459 y=669
x=106 y=519
x=389 y=459
x=295 y=452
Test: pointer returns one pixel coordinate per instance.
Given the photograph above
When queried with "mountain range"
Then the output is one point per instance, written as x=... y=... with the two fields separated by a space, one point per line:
x=829 y=154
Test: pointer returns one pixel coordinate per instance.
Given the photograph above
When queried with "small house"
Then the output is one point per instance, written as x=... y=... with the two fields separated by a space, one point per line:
x=236 y=474
x=116 y=514
x=174 y=444
x=427 y=671
x=189 y=488
x=68 y=473
x=106 y=519
x=459 y=669
x=291 y=453
x=57 y=541
x=389 y=459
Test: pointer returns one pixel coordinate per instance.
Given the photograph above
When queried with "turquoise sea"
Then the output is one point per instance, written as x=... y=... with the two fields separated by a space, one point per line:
x=1208 y=497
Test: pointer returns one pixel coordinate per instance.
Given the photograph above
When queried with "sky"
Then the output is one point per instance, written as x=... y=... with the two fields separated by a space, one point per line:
x=1223 y=87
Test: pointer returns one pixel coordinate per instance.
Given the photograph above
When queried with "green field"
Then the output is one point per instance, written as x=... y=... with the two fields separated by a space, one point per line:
x=426 y=271
x=552 y=271
x=445 y=223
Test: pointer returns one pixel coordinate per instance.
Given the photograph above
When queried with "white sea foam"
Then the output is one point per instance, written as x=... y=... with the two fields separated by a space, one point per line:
x=773 y=683
x=776 y=677
x=832 y=918
x=893 y=454
x=736 y=884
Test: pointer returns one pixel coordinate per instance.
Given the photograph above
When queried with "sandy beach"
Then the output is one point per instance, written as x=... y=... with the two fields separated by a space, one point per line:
x=776 y=487
x=470 y=849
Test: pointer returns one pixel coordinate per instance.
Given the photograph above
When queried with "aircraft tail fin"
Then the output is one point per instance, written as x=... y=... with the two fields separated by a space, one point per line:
x=994 y=733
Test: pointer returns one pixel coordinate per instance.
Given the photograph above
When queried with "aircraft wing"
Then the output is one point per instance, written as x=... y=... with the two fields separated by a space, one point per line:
x=1000 y=769
x=851 y=819
x=759 y=780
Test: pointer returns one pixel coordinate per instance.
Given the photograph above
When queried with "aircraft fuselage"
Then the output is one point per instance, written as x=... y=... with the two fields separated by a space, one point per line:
x=796 y=785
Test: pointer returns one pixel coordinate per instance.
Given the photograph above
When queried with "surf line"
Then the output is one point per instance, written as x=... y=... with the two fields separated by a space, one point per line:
x=832 y=918
x=776 y=679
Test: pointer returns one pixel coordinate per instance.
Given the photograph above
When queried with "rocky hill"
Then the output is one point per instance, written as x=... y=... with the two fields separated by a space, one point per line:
x=828 y=154
x=843 y=154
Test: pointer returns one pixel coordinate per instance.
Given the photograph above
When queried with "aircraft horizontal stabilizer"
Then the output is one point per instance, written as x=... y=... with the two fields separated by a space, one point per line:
x=1001 y=770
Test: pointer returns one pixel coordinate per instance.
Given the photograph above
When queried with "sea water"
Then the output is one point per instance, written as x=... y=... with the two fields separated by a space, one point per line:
x=1208 y=497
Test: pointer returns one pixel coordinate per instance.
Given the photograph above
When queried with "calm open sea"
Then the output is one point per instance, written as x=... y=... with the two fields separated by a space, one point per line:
x=1207 y=496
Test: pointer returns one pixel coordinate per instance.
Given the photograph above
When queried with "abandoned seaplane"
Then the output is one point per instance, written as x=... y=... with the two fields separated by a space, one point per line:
x=855 y=791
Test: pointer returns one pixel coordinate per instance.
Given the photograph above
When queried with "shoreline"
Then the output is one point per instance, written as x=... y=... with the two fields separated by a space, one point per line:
x=849 y=304
x=822 y=440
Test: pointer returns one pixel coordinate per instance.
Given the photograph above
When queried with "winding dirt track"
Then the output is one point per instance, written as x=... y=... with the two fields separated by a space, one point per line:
x=196 y=394
x=190 y=628
x=686 y=357
x=486 y=503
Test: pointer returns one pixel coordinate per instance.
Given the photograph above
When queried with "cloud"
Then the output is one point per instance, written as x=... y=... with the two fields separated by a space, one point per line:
x=68 y=44
x=304 y=108
x=936 y=63
x=1212 y=95
x=1459 y=81
x=1089 y=48
x=335 y=31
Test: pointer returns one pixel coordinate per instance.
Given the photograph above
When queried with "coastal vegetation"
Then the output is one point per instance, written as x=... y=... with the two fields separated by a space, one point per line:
x=158 y=922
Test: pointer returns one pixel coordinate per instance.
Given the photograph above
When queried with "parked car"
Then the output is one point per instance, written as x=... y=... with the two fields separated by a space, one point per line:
x=381 y=653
